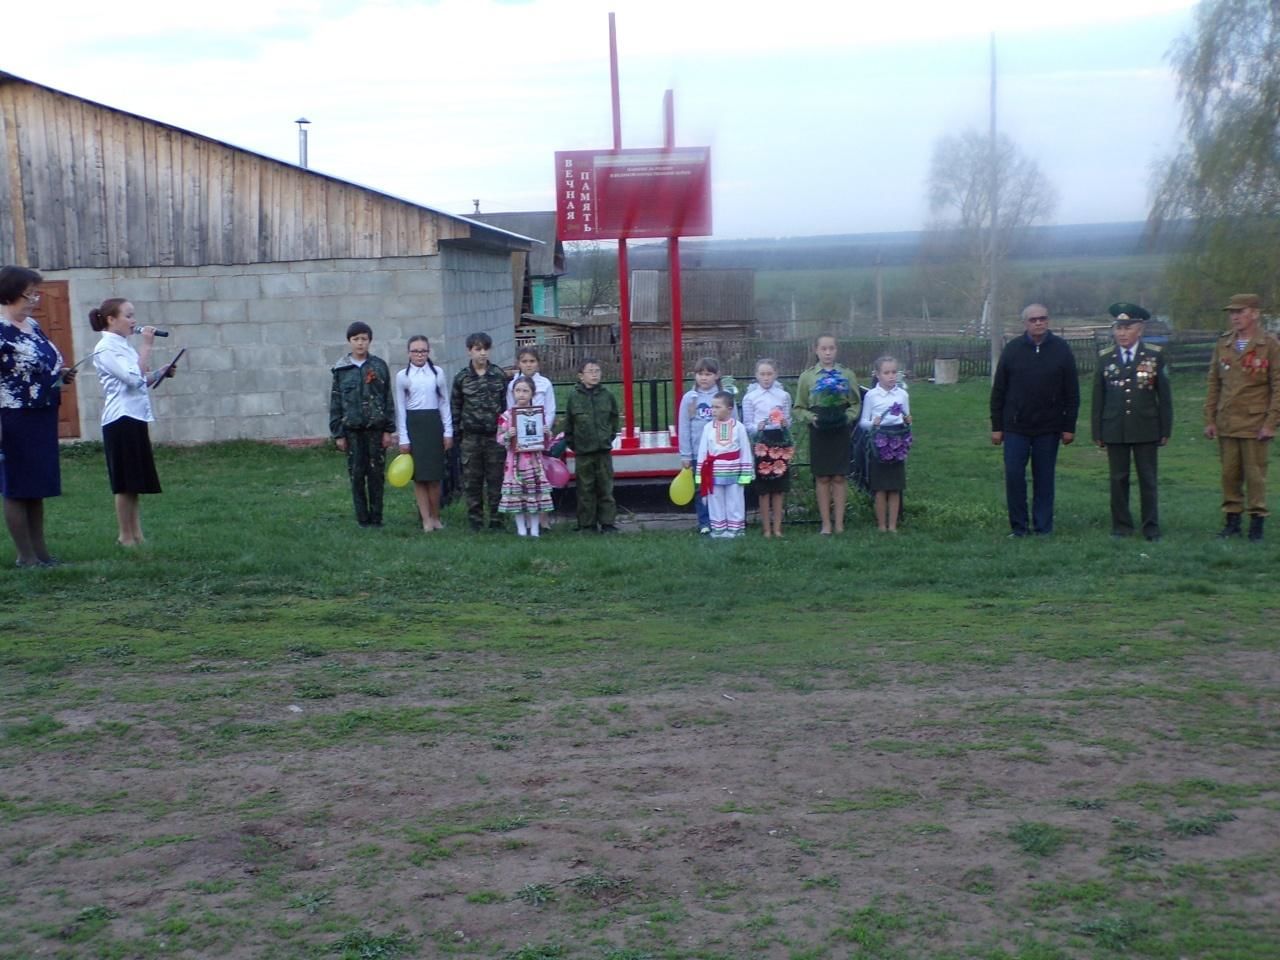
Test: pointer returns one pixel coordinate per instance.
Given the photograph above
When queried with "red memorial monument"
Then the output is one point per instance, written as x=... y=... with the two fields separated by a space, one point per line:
x=619 y=194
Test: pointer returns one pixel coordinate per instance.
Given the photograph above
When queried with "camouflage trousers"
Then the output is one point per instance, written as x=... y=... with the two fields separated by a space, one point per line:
x=483 y=461
x=365 y=462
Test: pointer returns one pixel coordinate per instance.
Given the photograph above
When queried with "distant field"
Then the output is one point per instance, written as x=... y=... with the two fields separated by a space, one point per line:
x=1072 y=286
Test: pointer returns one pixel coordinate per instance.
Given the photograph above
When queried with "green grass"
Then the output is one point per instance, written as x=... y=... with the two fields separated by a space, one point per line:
x=269 y=733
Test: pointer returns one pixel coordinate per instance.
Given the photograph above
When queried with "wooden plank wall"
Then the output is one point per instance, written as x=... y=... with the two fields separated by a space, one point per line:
x=83 y=185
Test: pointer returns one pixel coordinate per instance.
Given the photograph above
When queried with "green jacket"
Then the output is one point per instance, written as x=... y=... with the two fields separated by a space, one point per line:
x=591 y=419
x=361 y=397
x=478 y=399
x=1134 y=403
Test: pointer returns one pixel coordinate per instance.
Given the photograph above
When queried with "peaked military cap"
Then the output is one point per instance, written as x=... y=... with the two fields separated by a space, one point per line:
x=1128 y=313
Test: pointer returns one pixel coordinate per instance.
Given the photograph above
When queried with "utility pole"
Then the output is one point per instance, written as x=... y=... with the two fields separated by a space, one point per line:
x=993 y=285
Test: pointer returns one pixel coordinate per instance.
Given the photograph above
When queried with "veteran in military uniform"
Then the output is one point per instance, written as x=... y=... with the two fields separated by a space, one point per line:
x=1132 y=417
x=1241 y=410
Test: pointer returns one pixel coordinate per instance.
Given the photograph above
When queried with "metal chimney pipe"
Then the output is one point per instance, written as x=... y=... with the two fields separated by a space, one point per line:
x=302 y=141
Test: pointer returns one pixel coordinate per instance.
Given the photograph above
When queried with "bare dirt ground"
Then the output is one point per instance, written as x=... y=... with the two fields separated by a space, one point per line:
x=869 y=816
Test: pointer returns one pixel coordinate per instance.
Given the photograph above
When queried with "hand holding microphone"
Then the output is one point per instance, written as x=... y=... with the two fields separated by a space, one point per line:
x=155 y=331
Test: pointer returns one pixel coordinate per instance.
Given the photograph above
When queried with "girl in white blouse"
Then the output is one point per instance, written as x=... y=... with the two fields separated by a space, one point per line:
x=886 y=417
x=126 y=410
x=425 y=425
x=544 y=393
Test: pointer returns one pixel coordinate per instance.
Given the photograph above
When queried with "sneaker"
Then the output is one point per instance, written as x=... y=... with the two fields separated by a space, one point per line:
x=703 y=531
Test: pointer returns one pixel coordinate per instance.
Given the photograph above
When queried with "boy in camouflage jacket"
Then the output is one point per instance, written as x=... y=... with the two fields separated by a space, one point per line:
x=361 y=420
x=479 y=397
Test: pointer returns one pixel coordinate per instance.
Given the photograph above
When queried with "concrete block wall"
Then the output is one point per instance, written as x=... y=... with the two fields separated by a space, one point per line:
x=261 y=338
x=478 y=295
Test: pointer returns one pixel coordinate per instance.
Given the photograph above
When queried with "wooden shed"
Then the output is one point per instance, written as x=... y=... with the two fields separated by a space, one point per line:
x=546 y=260
x=256 y=265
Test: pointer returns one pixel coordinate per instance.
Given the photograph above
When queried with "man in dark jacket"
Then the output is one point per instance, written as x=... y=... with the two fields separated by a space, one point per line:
x=1035 y=398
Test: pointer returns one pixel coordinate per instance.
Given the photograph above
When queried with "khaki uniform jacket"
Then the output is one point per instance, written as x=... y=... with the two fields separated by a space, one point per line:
x=1244 y=387
x=1134 y=403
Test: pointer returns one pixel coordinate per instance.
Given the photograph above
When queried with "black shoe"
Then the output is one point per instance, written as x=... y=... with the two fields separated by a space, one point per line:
x=1122 y=534
x=476 y=525
x=1231 y=528
x=1255 y=528
x=590 y=529
x=1154 y=538
x=497 y=524
x=609 y=528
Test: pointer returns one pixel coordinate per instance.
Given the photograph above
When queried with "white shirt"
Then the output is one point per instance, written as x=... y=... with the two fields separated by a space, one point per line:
x=759 y=403
x=124 y=389
x=877 y=403
x=417 y=388
x=544 y=396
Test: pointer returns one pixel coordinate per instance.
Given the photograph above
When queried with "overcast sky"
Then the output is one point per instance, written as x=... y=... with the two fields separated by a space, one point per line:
x=821 y=115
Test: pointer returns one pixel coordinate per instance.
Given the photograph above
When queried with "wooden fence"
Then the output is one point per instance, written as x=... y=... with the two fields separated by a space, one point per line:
x=651 y=356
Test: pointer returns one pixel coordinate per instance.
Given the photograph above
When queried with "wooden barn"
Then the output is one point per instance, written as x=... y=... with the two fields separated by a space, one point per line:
x=256 y=266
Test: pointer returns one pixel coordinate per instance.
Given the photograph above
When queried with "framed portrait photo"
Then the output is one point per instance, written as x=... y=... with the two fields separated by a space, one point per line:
x=530 y=430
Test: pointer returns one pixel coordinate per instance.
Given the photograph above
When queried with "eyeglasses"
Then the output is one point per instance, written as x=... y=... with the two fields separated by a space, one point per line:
x=32 y=297
x=419 y=351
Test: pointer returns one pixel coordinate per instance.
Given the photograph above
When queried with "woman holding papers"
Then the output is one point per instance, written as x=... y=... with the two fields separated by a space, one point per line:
x=126 y=410
x=31 y=373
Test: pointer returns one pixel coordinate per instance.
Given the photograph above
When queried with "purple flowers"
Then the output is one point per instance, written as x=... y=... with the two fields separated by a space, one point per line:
x=895 y=410
x=892 y=447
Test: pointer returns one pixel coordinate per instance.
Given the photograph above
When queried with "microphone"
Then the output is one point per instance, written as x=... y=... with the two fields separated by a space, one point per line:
x=156 y=331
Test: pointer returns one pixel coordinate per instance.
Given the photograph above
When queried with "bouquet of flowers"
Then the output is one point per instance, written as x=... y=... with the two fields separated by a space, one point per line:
x=892 y=443
x=829 y=399
x=773 y=447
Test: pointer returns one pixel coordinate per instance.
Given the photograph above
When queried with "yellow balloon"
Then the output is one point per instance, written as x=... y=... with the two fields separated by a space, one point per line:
x=681 y=491
x=401 y=470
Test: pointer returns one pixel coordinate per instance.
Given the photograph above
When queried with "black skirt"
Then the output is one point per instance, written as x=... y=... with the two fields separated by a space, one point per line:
x=426 y=438
x=131 y=468
x=829 y=449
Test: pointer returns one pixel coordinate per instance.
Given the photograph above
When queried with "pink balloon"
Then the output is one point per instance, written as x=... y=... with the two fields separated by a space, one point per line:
x=557 y=472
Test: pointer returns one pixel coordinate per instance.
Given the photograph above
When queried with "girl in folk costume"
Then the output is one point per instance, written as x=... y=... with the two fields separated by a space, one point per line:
x=425 y=426
x=886 y=417
x=694 y=414
x=766 y=411
x=525 y=489
x=723 y=467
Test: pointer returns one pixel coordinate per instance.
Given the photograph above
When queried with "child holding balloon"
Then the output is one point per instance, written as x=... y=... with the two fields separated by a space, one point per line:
x=526 y=492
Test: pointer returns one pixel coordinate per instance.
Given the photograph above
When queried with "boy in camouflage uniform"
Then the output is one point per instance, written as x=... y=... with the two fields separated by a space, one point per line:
x=479 y=397
x=591 y=423
x=361 y=419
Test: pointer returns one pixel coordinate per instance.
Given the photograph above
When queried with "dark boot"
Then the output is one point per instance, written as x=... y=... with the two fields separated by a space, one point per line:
x=1232 y=527
x=1255 y=528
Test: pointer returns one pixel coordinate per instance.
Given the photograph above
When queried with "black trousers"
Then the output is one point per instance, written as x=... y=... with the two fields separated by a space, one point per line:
x=365 y=461
x=1144 y=457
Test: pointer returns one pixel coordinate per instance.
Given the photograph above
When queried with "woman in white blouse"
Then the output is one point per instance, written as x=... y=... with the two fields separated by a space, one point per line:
x=126 y=410
x=425 y=426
